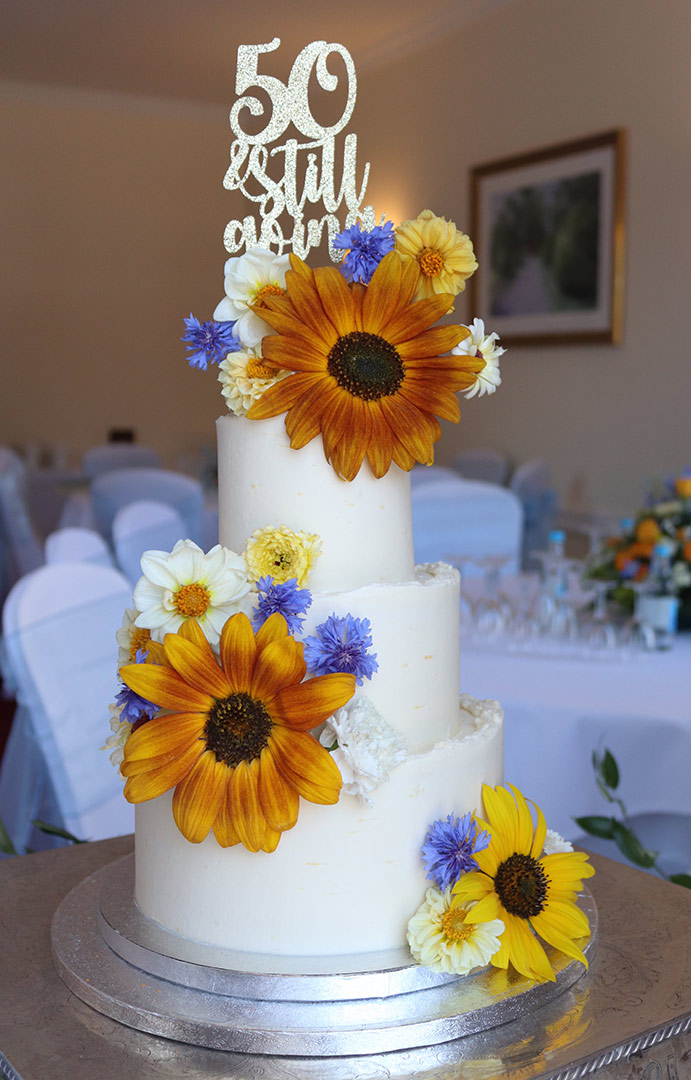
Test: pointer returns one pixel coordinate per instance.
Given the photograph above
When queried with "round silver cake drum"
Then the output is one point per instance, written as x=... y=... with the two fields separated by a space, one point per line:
x=129 y=968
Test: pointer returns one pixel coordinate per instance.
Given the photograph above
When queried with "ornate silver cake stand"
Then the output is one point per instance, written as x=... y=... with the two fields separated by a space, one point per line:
x=126 y=966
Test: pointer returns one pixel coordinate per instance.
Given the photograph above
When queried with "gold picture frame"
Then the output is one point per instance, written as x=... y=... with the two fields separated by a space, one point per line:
x=548 y=231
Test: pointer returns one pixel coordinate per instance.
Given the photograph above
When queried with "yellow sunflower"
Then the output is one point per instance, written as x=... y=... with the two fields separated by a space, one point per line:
x=527 y=890
x=442 y=255
x=366 y=369
x=237 y=747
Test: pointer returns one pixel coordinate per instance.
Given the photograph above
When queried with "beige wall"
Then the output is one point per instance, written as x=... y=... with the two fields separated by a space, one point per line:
x=114 y=213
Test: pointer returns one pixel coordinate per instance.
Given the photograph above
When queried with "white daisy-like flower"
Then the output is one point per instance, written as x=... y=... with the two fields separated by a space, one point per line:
x=122 y=729
x=478 y=343
x=440 y=938
x=681 y=574
x=244 y=376
x=368 y=747
x=555 y=843
x=131 y=638
x=187 y=584
x=248 y=279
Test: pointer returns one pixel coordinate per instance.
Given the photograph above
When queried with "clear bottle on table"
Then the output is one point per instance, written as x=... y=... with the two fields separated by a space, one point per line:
x=657 y=603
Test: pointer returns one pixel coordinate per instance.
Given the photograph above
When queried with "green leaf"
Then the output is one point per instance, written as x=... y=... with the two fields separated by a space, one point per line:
x=681 y=879
x=596 y=825
x=630 y=846
x=609 y=770
x=6 y=845
x=53 y=830
x=604 y=791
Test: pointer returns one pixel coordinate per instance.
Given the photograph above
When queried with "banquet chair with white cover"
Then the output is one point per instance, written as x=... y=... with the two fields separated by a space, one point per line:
x=77 y=545
x=532 y=483
x=113 y=490
x=100 y=459
x=430 y=474
x=142 y=526
x=490 y=466
x=59 y=625
x=20 y=548
x=464 y=522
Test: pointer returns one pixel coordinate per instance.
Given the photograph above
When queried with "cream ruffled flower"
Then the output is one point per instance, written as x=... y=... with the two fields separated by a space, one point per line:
x=444 y=254
x=368 y=747
x=248 y=279
x=484 y=346
x=131 y=638
x=244 y=377
x=187 y=584
x=554 y=843
x=440 y=939
x=281 y=553
x=122 y=729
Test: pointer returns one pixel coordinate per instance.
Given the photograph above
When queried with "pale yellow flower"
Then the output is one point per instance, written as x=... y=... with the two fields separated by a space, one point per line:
x=131 y=638
x=244 y=376
x=440 y=939
x=444 y=254
x=281 y=553
x=122 y=729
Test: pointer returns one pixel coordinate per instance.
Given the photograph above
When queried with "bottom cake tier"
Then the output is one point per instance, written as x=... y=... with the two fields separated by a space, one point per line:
x=346 y=879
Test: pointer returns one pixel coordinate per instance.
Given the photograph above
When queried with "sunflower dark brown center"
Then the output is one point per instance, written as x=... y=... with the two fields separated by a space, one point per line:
x=237 y=729
x=521 y=885
x=366 y=365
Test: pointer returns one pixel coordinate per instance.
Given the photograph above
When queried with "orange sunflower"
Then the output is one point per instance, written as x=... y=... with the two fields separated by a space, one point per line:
x=366 y=366
x=237 y=747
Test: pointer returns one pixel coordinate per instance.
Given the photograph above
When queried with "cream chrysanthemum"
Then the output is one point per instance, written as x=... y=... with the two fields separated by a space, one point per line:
x=368 y=747
x=554 y=842
x=444 y=255
x=187 y=584
x=440 y=939
x=122 y=729
x=244 y=376
x=484 y=346
x=282 y=554
x=131 y=638
x=249 y=279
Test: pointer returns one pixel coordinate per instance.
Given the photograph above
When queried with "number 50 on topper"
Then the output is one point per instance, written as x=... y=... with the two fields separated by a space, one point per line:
x=249 y=155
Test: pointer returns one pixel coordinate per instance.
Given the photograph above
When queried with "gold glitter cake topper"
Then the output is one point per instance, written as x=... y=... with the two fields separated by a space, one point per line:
x=250 y=156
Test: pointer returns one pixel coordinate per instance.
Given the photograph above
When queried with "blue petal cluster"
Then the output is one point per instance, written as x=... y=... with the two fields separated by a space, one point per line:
x=449 y=847
x=135 y=708
x=209 y=342
x=365 y=250
x=341 y=644
x=282 y=597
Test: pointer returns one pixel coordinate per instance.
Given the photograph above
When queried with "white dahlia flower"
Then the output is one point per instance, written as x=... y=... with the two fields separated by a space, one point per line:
x=485 y=346
x=248 y=279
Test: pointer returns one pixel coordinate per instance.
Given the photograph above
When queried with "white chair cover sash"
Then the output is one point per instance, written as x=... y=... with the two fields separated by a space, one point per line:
x=59 y=627
x=116 y=489
x=144 y=526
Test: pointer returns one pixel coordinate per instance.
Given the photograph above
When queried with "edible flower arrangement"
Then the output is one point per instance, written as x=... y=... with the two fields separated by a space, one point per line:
x=625 y=558
x=355 y=350
x=498 y=886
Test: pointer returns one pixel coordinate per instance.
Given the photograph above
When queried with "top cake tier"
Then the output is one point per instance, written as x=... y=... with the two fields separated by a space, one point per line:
x=364 y=525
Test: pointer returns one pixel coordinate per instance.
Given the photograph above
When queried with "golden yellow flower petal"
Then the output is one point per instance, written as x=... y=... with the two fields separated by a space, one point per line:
x=380 y=449
x=487 y=906
x=305 y=705
x=224 y=830
x=199 y=797
x=279 y=664
x=271 y=840
x=245 y=808
x=335 y=297
x=164 y=687
x=303 y=422
x=525 y=952
x=305 y=764
x=168 y=734
x=238 y=651
x=417 y=431
x=197 y=665
x=293 y=353
x=385 y=295
x=150 y=785
x=502 y=821
x=430 y=343
x=279 y=799
x=305 y=298
x=424 y=393
x=190 y=630
x=274 y=628
x=411 y=321
x=281 y=396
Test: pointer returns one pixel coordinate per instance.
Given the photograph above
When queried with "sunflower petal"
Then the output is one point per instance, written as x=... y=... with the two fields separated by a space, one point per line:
x=279 y=799
x=150 y=785
x=164 y=687
x=199 y=797
x=271 y=840
x=281 y=396
x=245 y=808
x=412 y=320
x=382 y=300
x=525 y=951
x=293 y=353
x=169 y=734
x=303 y=706
x=306 y=765
x=274 y=628
x=196 y=665
x=224 y=830
x=416 y=430
x=279 y=664
x=305 y=297
x=238 y=652
x=380 y=449
x=431 y=343
x=427 y=394
x=336 y=298
x=303 y=422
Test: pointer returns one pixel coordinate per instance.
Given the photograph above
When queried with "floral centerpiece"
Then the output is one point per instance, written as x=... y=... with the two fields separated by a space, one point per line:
x=625 y=558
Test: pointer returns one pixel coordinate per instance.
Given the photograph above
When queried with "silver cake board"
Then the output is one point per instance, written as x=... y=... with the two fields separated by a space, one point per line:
x=127 y=967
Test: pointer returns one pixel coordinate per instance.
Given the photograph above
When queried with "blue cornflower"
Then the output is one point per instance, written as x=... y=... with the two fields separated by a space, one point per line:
x=449 y=847
x=365 y=250
x=209 y=342
x=341 y=644
x=284 y=597
x=134 y=707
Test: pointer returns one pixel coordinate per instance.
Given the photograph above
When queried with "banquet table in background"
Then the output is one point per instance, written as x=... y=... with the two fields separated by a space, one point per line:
x=559 y=709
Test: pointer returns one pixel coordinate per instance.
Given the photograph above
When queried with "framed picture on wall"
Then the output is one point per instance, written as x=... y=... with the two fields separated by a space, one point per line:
x=548 y=230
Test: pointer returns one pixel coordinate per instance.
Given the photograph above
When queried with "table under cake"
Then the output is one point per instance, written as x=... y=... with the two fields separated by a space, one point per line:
x=630 y=1015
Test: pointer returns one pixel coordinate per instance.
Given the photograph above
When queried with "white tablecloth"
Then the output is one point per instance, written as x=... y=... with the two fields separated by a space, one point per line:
x=558 y=710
